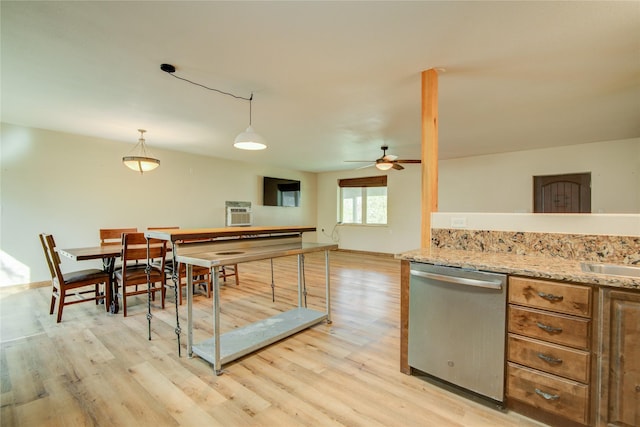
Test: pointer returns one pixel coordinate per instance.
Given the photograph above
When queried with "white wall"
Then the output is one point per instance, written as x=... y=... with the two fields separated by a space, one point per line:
x=495 y=183
x=403 y=215
x=71 y=186
x=504 y=182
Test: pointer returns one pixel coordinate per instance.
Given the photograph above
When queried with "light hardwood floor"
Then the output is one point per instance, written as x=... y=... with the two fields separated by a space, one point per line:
x=100 y=369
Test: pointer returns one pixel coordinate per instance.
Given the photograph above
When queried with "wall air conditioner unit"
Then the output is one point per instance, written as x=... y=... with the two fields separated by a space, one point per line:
x=238 y=216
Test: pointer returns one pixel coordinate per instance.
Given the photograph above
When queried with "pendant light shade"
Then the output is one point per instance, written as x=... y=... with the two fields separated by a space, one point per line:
x=249 y=140
x=141 y=159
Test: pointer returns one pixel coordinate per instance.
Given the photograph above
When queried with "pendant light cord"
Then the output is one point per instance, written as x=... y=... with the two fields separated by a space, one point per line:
x=211 y=88
x=170 y=69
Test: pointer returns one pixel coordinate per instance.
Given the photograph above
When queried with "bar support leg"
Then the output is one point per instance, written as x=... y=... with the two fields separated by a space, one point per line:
x=327 y=285
x=176 y=288
x=216 y=319
x=189 y=269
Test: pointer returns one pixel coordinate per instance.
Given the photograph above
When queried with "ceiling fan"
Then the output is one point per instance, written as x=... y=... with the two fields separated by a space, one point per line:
x=386 y=162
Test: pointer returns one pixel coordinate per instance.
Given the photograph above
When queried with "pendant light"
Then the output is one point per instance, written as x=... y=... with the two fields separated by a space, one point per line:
x=249 y=139
x=141 y=160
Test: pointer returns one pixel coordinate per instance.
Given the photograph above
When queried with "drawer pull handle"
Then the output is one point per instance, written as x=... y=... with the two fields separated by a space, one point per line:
x=547 y=396
x=548 y=328
x=550 y=297
x=549 y=359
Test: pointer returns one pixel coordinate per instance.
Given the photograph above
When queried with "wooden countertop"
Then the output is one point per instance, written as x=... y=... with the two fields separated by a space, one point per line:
x=178 y=234
x=545 y=267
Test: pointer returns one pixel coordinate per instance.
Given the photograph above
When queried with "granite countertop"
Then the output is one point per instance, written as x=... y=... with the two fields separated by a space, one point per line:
x=544 y=267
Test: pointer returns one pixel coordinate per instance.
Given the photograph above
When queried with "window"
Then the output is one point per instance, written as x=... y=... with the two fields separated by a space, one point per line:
x=363 y=200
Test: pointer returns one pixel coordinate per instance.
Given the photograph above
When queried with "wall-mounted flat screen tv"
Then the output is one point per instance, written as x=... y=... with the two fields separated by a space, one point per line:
x=280 y=192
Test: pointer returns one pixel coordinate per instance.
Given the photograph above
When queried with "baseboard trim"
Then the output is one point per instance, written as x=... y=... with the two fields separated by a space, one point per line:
x=32 y=285
x=380 y=254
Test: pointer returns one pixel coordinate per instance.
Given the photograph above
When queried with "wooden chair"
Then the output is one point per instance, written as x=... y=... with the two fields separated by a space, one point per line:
x=200 y=274
x=230 y=271
x=113 y=236
x=133 y=274
x=76 y=283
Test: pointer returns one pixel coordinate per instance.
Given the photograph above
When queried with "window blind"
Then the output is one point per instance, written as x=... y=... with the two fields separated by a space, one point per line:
x=370 y=181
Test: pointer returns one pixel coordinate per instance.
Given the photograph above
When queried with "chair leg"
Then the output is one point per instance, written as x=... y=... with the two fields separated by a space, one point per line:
x=107 y=295
x=97 y=293
x=124 y=302
x=61 y=296
x=53 y=300
x=162 y=293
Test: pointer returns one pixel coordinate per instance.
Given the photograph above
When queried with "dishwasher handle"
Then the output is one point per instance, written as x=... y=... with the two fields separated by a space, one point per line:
x=490 y=284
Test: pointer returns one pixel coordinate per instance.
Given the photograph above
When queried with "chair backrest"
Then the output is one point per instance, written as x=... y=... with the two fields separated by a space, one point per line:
x=113 y=236
x=134 y=248
x=51 y=255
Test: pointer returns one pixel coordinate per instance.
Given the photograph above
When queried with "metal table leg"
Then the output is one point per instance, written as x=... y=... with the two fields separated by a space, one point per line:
x=108 y=264
x=189 y=309
x=216 y=319
x=175 y=276
x=327 y=285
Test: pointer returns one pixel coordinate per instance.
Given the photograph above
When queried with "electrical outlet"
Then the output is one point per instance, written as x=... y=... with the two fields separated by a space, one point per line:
x=458 y=222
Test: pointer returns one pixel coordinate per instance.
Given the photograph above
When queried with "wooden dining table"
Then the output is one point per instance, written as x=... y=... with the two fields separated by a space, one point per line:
x=108 y=255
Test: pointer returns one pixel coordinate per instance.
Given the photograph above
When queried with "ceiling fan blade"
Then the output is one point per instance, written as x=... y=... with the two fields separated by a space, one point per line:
x=366 y=166
x=396 y=166
x=358 y=161
x=408 y=161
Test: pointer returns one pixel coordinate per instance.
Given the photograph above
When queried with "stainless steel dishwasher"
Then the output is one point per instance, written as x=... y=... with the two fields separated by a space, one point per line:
x=457 y=327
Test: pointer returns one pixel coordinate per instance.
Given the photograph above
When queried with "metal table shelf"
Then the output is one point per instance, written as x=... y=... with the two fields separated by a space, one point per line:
x=242 y=341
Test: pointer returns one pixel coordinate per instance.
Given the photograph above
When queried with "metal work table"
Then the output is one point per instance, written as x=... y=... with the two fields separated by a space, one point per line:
x=221 y=349
x=215 y=248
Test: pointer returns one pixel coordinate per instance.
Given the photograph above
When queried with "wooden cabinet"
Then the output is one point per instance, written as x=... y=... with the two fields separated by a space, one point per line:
x=549 y=348
x=620 y=362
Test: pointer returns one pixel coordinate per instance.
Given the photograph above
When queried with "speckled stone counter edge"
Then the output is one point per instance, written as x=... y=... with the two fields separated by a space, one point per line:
x=544 y=255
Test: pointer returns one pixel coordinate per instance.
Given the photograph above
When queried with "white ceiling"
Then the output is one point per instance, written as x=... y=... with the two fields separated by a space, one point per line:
x=332 y=81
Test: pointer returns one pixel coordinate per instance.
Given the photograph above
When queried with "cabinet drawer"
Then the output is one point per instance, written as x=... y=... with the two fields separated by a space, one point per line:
x=556 y=328
x=563 y=361
x=560 y=297
x=553 y=394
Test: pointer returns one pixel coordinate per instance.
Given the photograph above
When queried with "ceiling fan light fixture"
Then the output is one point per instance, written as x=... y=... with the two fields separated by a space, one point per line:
x=249 y=140
x=141 y=160
x=384 y=166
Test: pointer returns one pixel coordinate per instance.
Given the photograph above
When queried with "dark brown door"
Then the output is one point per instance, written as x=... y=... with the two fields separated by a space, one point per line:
x=570 y=193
